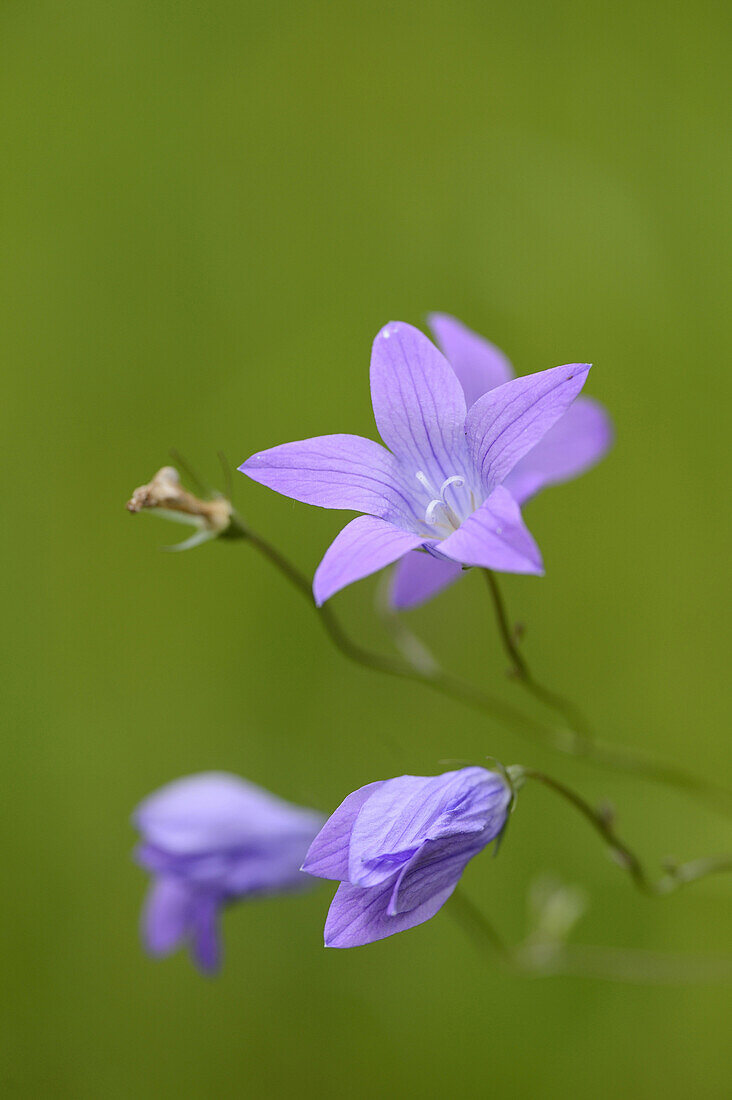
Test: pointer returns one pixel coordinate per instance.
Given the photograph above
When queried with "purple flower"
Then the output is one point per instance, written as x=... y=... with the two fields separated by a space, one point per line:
x=208 y=839
x=579 y=439
x=439 y=488
x=399 y=847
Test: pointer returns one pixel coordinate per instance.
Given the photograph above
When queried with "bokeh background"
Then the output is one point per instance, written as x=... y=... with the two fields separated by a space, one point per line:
x=208 y=210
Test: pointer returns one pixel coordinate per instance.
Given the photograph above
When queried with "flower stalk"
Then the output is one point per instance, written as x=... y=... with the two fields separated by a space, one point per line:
x=544 y=952
x=569 y=740
x=577 y=723
x=217 y=518
x=676 y=875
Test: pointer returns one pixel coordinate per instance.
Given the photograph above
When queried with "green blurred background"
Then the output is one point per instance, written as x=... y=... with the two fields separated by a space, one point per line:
x=208 y=210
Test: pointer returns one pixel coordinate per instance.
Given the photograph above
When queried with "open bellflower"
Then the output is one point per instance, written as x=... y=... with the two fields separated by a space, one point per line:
x=440 y=486
x=579 y=439
x=398 y=848
x=209 y=839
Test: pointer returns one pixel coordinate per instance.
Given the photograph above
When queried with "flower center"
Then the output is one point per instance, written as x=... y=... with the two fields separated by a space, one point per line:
x=445 y=515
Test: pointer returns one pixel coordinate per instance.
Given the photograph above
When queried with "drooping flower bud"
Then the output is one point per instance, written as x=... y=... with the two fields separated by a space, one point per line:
x=398 y=848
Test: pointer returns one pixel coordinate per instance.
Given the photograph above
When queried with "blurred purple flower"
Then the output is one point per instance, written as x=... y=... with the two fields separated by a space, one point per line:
x=399 y=847
x=209 y=839
x=579 y=439
x=439 y=487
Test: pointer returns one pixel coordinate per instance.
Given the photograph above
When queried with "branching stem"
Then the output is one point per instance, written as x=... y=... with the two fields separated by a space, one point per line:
x=568 y=740
x=521 y=672
x=601 y=822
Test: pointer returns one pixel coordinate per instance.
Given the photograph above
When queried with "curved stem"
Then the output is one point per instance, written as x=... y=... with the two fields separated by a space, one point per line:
x=568 y=741
x=392 y=666
x=675 y=876
x=580 y=740
x=521 y=671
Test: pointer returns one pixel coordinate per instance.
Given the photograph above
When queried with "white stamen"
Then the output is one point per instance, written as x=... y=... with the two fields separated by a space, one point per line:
x=425 y=481
x=450 y=520
x=432 y=507
x=454 y=480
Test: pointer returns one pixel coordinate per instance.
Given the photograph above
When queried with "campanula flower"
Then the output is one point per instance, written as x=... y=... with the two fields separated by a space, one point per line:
x=398 y=848
x=439 y=486
x=578 y=440
x=209 y=839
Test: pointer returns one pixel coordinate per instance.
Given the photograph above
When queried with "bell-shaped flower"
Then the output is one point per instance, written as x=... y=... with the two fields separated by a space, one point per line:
x=439 y=487
x=579 y=439
x=208 y=840
x=398 y=848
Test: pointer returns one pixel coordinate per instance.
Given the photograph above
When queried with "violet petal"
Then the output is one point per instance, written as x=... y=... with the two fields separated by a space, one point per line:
x=577 y=441
x=166 y=915
x=419 y=403
x=204 y=946
x=418 y=577
x=328 y=854
x=404 y=812
x=357 y=916
x=365 y=545
x=495 y=537
x=507 y=422
x=435 y=867
x=479 y=365
x=215 y=811
x=334 y=471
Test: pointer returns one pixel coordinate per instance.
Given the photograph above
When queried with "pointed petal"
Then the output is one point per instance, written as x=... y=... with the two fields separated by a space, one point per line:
x=328 y=854
x=365 y=545
x=166 y=915
x=479 y=365
x=506 y=423
x=357 y=916
x=495 y=537
x=333 y=471
x=205 y=947
x=577 y=441
x=405 y=812
x=418 y=577
x=419 y=403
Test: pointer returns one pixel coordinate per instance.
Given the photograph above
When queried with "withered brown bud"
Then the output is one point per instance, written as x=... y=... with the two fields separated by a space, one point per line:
x=166 y=495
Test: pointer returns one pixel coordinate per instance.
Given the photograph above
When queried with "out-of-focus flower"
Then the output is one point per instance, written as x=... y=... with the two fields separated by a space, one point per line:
x=579 y=439
x=554 y=910
x=398 y=848
x=166 y=496
x=439 y=487
x=209 y=839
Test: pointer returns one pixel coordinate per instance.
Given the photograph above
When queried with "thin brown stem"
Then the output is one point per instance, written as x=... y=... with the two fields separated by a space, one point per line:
x=601 y=822
x=522 y=673
x=566 y=740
